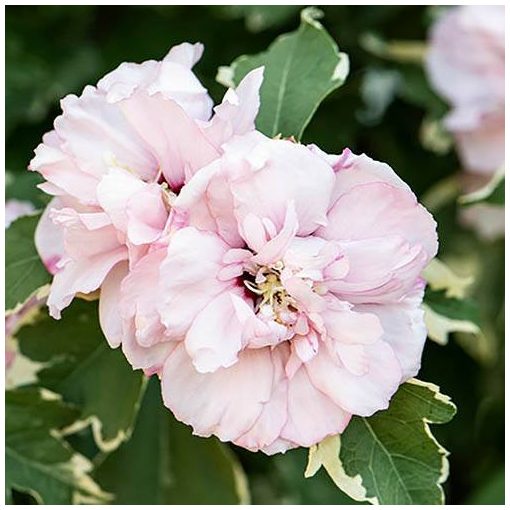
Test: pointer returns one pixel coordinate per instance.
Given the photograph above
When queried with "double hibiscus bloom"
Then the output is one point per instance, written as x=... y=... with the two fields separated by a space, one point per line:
x=274 y=289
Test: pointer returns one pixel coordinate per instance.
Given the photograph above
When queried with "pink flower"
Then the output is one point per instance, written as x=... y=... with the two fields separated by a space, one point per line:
x=273 y=288
x=466 y=64
x=289 y=302
x=116 y=159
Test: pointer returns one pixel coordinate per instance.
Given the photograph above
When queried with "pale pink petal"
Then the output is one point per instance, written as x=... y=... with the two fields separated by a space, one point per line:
x=226 y=403
x=113 y=192
x=84 y=275
x=217 y=333
x=109 y=316
x=140 y=297
x=281 y=172
x=381 y=269
x=174 y=138
x=351 y=327
x=361 y=395
x=134 y=207
x=482 y=149
x=147 y=215
x=49 y=238
x=275 y=248
x=377 y=209
x=97 y=135
x=62 y=172
x=312 y=414
x=209 y=205
x=189 y=280
x=150 y=359
x=404 y=329
x=238 y=110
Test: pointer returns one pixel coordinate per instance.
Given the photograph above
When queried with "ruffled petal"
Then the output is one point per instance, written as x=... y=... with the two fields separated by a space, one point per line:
x=404 y=329
x=227 y=402
x=175 y=139
x=189 y=279
x=378 y=209
x=281 y=172
x=217 y=333
x=238 y=110
x=49 y=238
x=109 y=300
x=360 y=395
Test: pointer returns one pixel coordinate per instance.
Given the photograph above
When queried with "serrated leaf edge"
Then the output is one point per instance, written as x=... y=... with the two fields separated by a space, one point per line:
x=440 y=326
x=327 y=454
x=439 y=276
x=97 y=427
x=87 y=490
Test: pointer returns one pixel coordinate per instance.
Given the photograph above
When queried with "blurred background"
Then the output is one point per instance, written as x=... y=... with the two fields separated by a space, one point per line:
x=386 y=109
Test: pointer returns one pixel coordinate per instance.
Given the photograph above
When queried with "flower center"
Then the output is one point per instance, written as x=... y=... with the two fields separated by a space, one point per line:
x=272 y=300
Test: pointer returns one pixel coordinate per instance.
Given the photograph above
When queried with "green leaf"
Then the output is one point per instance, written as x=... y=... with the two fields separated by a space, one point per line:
x=163 y=463
x=24 y=271
x=453 y=308
x=38 y=460
x=301 y=69
x=81 y=366
x=444 y=315
x=391 y=457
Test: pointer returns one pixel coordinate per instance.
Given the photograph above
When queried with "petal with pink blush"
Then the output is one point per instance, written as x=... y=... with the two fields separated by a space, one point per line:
x=49 y=238
x=147 y=216
x=150 y=359
x=238 y=110
x=268 y=426
x=378 y=209
x=109 y=315
x=274 y=249
x=140 y=296
x=135 y=207
x=209 y=205
x=217 y=333
x=404 y=329
x=312 y=414
x=84 y=275
x=175 y=139
x=113 y=193
x=188 y=279
x=350 y=327
x=381 y=269
x=226 y=403
x=97 y=134
x=361 y=395
x=62 y=173
x=281 y=172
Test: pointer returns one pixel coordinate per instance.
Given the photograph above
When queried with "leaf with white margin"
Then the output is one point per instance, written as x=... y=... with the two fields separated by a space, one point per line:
x=445 y=315
x=492 y=193
x=25 y=273
x=37 y=459
x=440 y=277
x=165 y=464
x=301 y=69
x=79 y=364
x=391 y=457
